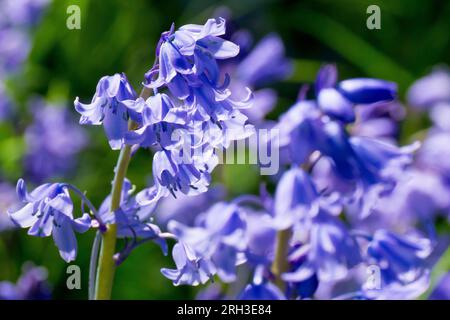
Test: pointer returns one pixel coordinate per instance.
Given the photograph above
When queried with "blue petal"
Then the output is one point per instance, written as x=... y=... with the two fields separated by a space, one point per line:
x=24 y=217
x=218 y=47
x=64 y=238
x=115 y=125
x=367 y=90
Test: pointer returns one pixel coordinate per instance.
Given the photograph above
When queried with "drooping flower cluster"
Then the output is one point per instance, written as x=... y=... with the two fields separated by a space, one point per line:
x=48 y=210
x=323 y=250
x=341 y=172
x=185 y=124
x=357 y=169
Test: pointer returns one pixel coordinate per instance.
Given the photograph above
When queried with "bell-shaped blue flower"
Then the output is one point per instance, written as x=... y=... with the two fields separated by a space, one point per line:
x=217 y=236
x=338 y=99
x=109 y=107
x=190 y=269
x=48 y=211
x=400 y=258
x=296 y=198
x=330 y=253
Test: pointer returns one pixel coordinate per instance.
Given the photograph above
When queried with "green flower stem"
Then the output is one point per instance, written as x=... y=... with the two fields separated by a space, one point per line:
x=106 y=264
x=280 y=264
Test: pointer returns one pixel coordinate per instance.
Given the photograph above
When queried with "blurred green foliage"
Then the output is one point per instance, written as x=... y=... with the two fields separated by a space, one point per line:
x=120 y=36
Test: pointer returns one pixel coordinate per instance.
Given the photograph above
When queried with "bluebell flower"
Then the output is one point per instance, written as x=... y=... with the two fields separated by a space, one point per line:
x=192 y=177
x=296 y=198
x=337 y=99
x=53 y=141
x=188 y=68
x=400 y=258
x=330 y=253
x=48 y=211
x=132 y=219
x=109 y=107
x=32 y=285
x=192 y=50
x=361 y=169
x=190 y=269
x=218 y=236
x=260 y=235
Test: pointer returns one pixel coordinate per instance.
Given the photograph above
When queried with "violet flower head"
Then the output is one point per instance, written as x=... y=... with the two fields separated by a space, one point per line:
x=218 y=236
x=188 y=68
x=48 y=210
x=53 y=142
x=361 y=168
x=330 y=253
x=109 y=108
x=296 y=198
x=192 y=50
x=190 y=269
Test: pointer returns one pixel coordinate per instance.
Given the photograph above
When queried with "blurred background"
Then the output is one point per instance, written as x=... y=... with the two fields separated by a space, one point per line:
x=40 y=138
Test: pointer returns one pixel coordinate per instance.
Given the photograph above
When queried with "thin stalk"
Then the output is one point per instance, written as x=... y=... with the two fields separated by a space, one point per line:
x=280 y=264
x=93 y=264
x=106 y=266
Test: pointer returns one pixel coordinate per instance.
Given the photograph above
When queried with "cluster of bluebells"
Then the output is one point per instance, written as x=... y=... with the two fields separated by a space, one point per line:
x=191 y=114
x=190 y=102
x=337 y=180
x=344 y=172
